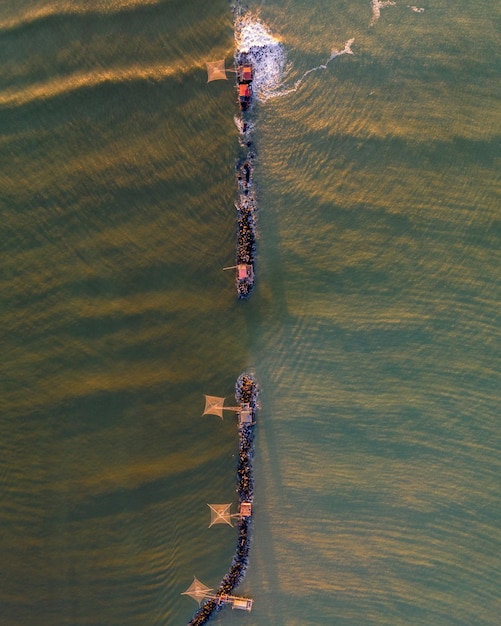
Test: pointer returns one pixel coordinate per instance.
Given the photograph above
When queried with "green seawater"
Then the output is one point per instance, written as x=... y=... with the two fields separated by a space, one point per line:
x=374 y=329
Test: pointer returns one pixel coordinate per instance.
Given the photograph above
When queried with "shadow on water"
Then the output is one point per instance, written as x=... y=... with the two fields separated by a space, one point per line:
x=266 y=558
x=105 y=101
x=265 y=313
x=134 y=499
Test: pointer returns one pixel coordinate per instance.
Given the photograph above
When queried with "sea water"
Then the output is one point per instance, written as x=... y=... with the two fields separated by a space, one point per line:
x=373 y=329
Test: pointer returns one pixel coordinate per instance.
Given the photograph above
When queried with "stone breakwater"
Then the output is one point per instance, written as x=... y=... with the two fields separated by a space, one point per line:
x=246 y=392
x=246 y=198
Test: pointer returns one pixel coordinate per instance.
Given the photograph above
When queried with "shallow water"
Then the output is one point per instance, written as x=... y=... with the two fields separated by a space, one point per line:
x=373 y=328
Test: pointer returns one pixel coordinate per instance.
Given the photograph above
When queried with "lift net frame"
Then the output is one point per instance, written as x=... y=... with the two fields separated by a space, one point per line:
x=216 y=70
x=198 y=591
x=220 y=514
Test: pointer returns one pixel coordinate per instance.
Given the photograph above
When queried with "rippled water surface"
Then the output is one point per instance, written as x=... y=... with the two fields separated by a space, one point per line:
x=374 y=328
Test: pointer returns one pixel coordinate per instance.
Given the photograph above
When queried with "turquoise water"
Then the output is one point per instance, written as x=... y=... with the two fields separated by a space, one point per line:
x=373 y=329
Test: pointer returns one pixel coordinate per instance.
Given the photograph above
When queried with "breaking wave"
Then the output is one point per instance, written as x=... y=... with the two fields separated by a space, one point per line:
x=269 y=57
x=266 y=53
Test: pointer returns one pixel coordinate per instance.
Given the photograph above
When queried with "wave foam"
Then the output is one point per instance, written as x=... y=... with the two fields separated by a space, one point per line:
x=269 y=57
x=266 y=53
x=376 y=6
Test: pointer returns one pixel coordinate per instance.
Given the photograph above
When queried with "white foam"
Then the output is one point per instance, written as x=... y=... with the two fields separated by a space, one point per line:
x=346 y=50
x=334 y=53
x=417 y=9
x=266 y=53
x=268 y=56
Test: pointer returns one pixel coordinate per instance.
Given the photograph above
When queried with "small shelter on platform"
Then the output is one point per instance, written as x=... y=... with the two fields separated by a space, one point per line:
x=245 y=509
x=244 y=414
x=244 y=73
x=244 y=604
x=245 y=270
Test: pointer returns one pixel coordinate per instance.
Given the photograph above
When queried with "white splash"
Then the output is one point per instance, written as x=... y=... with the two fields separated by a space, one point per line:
x=245 y=129
x=266 y=53
x=268 y=56
x=417 y=9
x=376 y=6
